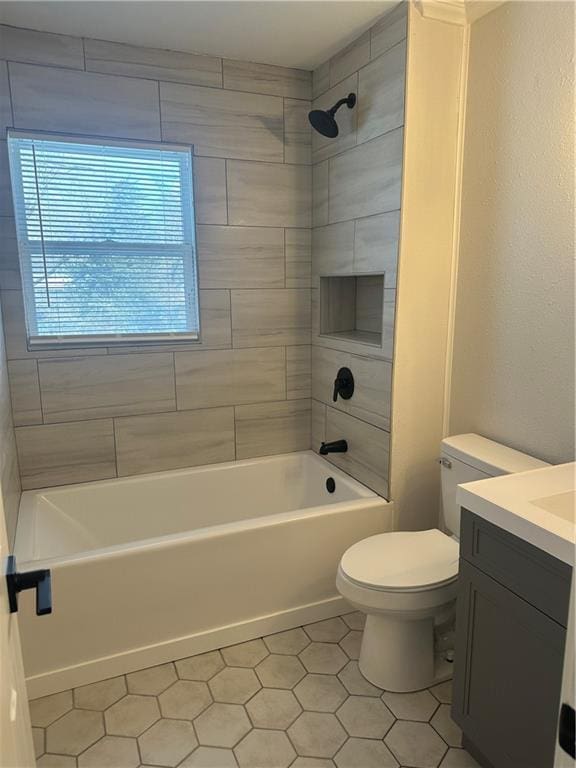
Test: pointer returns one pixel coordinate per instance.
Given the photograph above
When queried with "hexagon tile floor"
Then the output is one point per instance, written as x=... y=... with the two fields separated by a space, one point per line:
x=295 y=698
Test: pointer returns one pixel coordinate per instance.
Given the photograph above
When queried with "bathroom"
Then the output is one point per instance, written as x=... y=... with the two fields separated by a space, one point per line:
x=287 y=384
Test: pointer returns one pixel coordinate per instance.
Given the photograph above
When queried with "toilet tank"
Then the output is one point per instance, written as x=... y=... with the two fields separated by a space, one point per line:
x=465 y=458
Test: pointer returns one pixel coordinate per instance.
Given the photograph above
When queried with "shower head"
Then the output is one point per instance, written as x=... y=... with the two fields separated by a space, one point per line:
x=324 y=121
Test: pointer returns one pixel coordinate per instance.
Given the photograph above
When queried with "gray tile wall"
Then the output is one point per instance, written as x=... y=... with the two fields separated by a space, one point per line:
x=356 y=187
x=244 y=391
x=9 y=473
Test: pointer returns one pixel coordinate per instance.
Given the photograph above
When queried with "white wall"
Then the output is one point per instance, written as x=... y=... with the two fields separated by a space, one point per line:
x=513 y=363
x=429 y=195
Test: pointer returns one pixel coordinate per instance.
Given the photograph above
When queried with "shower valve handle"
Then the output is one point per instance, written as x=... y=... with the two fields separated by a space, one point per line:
x=17 y=582
x=343 y=384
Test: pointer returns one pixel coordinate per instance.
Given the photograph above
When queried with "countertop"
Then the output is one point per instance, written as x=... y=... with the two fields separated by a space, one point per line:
x=537 y=506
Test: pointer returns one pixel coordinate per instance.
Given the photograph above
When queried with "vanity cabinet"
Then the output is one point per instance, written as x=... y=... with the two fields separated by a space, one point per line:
x=510 y=633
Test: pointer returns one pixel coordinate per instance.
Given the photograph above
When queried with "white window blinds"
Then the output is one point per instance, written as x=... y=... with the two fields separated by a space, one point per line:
x=106 y=239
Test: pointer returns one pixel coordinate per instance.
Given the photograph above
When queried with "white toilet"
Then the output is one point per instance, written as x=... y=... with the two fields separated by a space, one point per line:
x=406 y=581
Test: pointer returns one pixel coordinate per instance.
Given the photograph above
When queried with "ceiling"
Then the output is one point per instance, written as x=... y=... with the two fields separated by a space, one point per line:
x=291 y=33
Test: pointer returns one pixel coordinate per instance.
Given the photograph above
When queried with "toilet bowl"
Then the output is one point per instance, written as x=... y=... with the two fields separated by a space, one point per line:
x=406 y=584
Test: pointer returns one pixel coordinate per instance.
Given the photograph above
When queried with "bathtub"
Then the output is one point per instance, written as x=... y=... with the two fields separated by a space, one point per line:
x=158 y=567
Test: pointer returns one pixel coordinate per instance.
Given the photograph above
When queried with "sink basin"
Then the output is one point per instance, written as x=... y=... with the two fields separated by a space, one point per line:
x=560 y=504
x=537 y=506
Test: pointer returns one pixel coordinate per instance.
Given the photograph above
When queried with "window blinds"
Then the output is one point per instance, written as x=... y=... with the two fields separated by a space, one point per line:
x=106 y=239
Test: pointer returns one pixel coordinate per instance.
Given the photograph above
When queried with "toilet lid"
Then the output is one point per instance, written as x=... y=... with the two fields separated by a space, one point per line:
x=402 y=560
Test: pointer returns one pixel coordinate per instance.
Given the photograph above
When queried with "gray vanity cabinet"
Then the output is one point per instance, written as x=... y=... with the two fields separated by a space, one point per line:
x=510 y=635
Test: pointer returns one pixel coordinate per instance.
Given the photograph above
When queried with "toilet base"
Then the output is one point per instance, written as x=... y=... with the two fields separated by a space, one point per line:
x=398 y=655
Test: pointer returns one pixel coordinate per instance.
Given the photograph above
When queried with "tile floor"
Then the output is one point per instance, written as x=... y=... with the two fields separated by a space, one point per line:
x=295 y=698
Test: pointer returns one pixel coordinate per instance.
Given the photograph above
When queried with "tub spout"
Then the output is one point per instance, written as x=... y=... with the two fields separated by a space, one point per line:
x=337 y=446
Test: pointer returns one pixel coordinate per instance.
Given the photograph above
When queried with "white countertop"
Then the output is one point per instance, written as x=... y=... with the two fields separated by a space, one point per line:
x=537 y=506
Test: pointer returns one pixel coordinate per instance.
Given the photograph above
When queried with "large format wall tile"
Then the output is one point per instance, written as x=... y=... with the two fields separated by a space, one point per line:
x=215 y=320
x=321 y=79
x=58 y=454
x=174 y=440
x=388 y=317
x=223 y=123
x=229 y=377
x=269 y=194
x=367 y=179
x=318 y=425
x=320 y=194
x=376 y=245
x=271 y=428
x=25 y=390
x=6 y=208
x=152 y=63
x=298 y=372
x=210 y=204
x=381 y=94
x=83 y=102
x=350 y=59
x=297 y=132
x=333 y=249
x=240 y=257
x=31 y=47
x=112 y=385
x=372 y=384
x=298 y=246
x=347 y=121
x=368 y=452
x=266 y=78
x=268 y=318
x=253 y=242
x=5 y=105
x=389 y=31
x=9 y=265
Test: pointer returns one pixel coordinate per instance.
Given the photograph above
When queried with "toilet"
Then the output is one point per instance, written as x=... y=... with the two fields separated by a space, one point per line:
x=406 y=582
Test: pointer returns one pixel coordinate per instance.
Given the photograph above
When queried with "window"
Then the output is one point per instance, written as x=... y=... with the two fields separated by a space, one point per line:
x=105 y=238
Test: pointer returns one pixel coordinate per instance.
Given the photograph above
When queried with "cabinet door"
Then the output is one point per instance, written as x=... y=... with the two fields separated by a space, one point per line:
x=508 y=673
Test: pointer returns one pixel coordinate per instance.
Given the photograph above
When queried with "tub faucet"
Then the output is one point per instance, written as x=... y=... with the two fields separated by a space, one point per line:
x=337 y=446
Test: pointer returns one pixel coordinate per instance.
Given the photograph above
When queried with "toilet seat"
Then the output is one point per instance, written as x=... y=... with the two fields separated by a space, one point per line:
x=402 y=561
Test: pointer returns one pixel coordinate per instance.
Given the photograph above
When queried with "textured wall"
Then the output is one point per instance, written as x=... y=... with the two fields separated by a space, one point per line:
x=244 y=391
x=356 y=215
x=513 y=365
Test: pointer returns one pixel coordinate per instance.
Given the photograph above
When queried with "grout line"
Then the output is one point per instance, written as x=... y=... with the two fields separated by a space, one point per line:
x=84 y=52
x=349 y=149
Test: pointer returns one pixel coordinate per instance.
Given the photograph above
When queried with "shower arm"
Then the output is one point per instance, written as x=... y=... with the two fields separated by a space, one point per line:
x=346 y=100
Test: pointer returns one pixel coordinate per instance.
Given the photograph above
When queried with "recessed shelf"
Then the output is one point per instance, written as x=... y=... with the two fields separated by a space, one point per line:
x=351 y=307
x=361 y=337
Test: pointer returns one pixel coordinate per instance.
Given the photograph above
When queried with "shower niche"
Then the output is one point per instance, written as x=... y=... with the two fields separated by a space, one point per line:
x=352 y=308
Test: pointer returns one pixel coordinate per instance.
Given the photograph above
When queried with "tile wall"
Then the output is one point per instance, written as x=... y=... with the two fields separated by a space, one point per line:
x=356 y=217
x=9 y=474
x=90 y=414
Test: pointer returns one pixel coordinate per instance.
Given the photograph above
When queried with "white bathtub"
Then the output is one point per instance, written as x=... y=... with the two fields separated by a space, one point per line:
x=162 y=566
